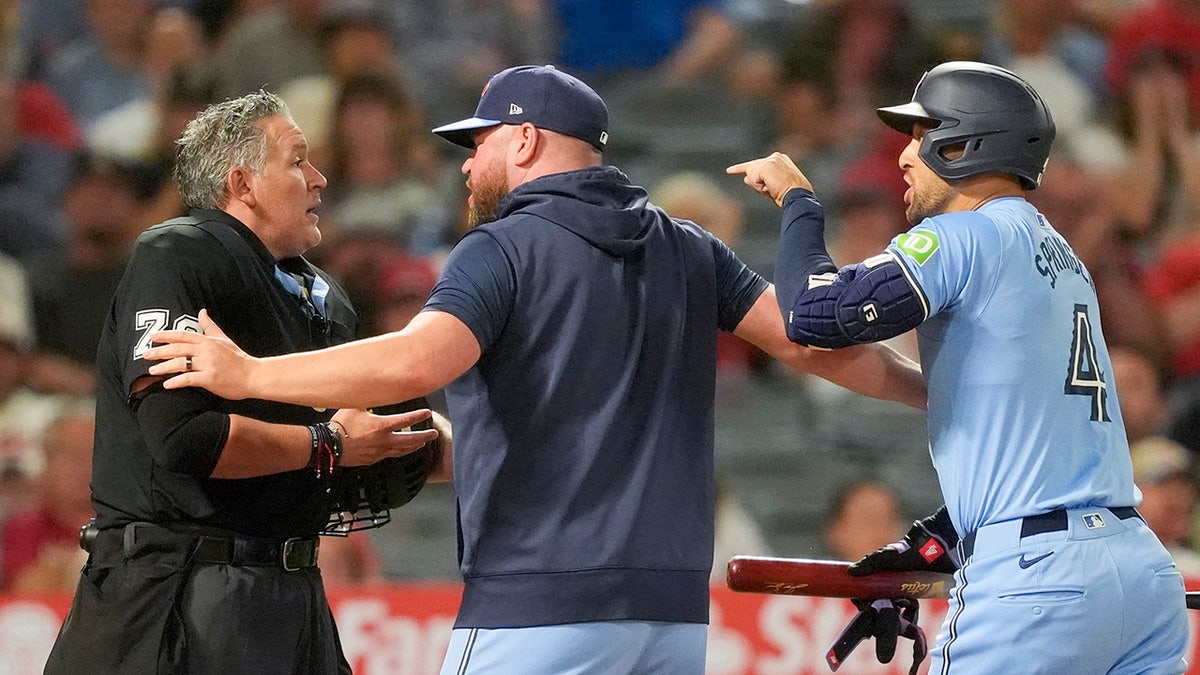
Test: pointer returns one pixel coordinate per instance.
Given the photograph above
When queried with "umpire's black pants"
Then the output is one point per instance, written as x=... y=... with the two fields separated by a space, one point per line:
x=146 y=605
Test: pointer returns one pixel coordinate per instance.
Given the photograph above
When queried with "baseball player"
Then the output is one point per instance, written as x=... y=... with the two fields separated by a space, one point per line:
x=1059 y=574
x=203 y=554
x=575 y=330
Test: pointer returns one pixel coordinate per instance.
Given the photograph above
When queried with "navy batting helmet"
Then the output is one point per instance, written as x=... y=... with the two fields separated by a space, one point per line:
x=999 y=120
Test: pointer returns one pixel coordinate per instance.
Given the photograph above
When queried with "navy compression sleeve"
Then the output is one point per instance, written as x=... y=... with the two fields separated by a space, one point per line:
x=801 y=247
x=866 y=302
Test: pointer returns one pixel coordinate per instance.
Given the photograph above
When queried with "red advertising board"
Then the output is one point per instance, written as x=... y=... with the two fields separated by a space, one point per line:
x=402 y=629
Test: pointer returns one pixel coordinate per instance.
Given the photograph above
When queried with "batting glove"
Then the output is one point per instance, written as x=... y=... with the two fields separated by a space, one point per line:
x=886 y=621
x=929 y=545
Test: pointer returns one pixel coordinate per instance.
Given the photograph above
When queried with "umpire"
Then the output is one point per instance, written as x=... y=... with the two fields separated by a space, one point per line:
x=203 y=553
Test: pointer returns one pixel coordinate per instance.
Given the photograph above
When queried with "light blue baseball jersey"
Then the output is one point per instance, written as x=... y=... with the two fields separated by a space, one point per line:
x=1023 y=413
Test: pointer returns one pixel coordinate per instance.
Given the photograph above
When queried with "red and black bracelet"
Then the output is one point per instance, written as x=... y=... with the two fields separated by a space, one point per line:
x=326 y=449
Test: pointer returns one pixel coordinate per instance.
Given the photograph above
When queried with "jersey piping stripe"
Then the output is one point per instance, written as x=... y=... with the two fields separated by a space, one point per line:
x=912 y=282
x=953 y=623
x=466 y=657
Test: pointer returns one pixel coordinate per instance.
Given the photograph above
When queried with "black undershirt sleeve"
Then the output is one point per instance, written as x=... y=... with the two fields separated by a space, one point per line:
x=183 y=429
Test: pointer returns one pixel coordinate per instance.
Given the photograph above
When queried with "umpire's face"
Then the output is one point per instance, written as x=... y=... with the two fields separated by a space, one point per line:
x=286 y=192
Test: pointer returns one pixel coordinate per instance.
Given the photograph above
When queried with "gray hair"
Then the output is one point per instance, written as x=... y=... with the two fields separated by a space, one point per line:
x=224 y=136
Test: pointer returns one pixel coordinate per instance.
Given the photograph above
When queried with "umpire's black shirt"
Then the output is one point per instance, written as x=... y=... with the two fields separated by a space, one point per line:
x=154 y=451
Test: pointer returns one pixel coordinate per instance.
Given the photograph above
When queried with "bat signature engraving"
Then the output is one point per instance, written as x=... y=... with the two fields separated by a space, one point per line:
x=785 y=588
x=923 y=588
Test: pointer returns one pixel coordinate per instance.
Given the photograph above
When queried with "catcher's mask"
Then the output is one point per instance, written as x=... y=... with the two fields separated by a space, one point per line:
x=998 y=120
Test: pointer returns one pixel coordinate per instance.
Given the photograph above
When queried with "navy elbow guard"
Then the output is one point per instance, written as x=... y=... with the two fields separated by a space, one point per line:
x=867 y=302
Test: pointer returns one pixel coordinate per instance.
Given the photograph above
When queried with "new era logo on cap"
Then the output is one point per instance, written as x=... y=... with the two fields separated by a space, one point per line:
x=541 y=95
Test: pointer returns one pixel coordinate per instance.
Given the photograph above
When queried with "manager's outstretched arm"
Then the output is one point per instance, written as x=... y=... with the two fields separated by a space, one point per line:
x=429 y=353
x=873 y=370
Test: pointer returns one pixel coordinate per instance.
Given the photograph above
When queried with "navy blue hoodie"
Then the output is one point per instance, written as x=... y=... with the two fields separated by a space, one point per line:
x=584 y=434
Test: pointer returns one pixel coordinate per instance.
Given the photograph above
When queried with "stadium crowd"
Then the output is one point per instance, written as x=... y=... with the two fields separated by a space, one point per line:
x=93 y=94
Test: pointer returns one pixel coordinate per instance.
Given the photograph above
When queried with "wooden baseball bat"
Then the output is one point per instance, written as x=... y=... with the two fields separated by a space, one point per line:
x=829 y=578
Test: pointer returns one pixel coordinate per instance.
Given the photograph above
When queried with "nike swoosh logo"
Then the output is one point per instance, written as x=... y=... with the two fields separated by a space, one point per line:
x=1026 y=564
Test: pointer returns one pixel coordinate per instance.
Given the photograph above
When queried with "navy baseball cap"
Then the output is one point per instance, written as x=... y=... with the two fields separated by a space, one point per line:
x=545 y=97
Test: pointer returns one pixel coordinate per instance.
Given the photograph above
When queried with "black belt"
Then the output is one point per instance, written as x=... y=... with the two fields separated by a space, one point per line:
x=291 y=554
x=1051 y=521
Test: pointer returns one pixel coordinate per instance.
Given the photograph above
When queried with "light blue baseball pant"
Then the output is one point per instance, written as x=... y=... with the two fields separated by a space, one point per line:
x=1100 y=596
x=592 y=648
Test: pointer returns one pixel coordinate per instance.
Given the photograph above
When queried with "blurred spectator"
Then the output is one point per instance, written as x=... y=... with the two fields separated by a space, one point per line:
x=667 y=66
x=185 y=94
x=864 y=217
x=450 y=46
x=1045 y=44
x=45 y=28
x=862 y=517
x=39 y=544
x=693 y=196
x=383 y=171
x=1157 y=154
x=1164 y=26
x=680 y=39
x=1139 y=385
x=349 y=561
x=104 y=69
x=72 y=289
x=24 y=413
x=402 y=286
x=842 y=59
x=1166 y=475
x=269 y=45
x=37 y=142
x=1172 y=282
x=174 y=50
x=736 y=533
x=354 y=41
x=213 y=15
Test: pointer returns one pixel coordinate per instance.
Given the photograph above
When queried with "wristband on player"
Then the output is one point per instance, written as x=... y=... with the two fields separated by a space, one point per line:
x=326 y=454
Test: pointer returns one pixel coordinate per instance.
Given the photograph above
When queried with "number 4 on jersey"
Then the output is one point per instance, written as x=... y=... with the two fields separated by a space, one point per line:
x=1083 y=374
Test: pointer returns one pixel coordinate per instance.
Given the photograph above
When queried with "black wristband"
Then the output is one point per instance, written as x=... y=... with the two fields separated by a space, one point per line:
x=326 y=454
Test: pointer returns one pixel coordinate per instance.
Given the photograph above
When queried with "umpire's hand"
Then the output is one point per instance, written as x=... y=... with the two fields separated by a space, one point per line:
x=368 y=438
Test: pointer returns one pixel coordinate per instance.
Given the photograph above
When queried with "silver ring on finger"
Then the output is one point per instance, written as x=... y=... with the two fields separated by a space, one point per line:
x=187 y=363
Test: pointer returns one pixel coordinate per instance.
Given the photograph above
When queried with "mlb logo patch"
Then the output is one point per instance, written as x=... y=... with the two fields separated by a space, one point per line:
x=1093 y=521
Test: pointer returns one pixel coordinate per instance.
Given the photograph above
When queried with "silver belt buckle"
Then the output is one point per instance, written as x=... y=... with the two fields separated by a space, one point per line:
x=288 y=546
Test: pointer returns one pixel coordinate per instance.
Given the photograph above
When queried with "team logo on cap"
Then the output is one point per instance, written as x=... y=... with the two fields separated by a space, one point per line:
x=514 y=109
